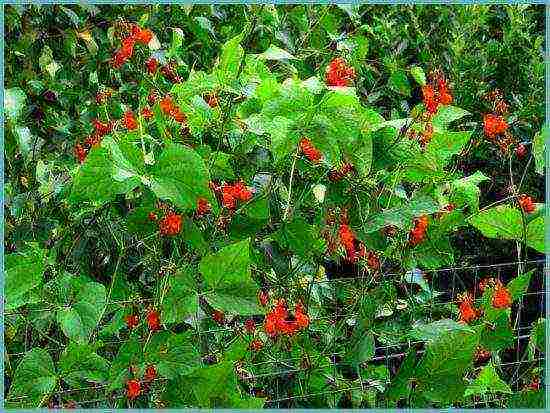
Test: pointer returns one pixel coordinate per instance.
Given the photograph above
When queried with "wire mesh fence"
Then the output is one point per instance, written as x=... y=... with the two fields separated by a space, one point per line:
x=327 y=379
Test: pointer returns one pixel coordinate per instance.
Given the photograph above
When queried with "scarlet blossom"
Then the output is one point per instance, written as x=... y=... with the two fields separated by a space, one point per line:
x=526 y=203
x=169 y=73
x=203 y=207
x=140 y=35
x=169 y=108
x=256 y=344
x=417 y=234
x=150 y=373
x=481 y=355
x=132 y=321
x=80 y=152
x=336 y=175
x=279 y=321
x=152 y=65
x=310 y=151
x=170 y=224
x=218 y=316
x=263 y=297
x=101 y=128
x=534 y=385
x=153 y=320
x=338 y=73
x=152 y=216
x=129 y=120
x=521 y=150
x=501 y=297
x=147 y=113
x=231 y=194
x=431 y=101
x=494 y=125
x=433 y=95
x=212 y=100
x=486 y=283
x=354 y=248
x=445 y=97
x=152 y=98
x=133 y=388
x=249 y=326
x=468 y=312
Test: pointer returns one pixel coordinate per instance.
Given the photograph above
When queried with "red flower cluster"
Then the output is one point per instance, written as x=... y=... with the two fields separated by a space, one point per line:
x=494 y=125
x=203 y=207
x=133 y=388
x=373 y=261
x=80 y=152
x=436 y=94
x=100 y=130
x=263 y=297
x=481 y=355
x=153 y=320
x=168 y=72
x=418 y=233
x=336 y=175
x=310 y=151
x=279 y=321
x=132 y=321
x=468 y=312
x=150 y=373
x=169 y=108
x=230 y=194
x=354 y=248
x=147 y=113
x=152 y=65
x=138 y=35
x=338 y=73
x=256 y=344
x=129 y=120
x=170 y=224
x=249 y=326
x=526 y=203
x=521 y=150
x=501 y=297
x=218 y=316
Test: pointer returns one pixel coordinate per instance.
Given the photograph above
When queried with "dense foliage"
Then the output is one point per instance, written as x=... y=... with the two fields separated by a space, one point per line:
x=188 y=187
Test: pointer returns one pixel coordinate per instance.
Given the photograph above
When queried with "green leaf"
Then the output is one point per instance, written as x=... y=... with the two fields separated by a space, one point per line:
x=181 y=301
x=79 y=320
x=180 y=176
x=402 y=216
x=498 y=334
x=173 y=354
x=400 y=83
x=300 y=238
x=34 y=380
x=237 y=300
x=14 y=102
x=79 y=363
x=519 y=285
x=487 y=381
x=539 y=151
x=400 y=385
x=536 y=234
x=466 y=191
x=46 y=62
x=24 y=272
x=228 y=267
x=363 y=348
x=502 y=222
x=129 y=354
x=444 y=145
x=418 y=74
x=275 y=53
x=538 y=334
x=434 y=330
x=447 y=114
x=230 y=60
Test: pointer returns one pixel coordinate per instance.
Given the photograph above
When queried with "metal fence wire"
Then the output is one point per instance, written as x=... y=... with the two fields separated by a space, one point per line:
x=328 y=380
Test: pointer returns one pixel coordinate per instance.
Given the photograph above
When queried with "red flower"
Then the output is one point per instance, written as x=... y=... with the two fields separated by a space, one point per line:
x=526 y=203
x=373 y=261
x=338 y=73
x=501 y=297
x=140 y=35
x=133 y=388
x=230 y=194
x=481 y=355
x=152 y=65
x=169 y=108
x=336 y=175
x=147 y=113
x=302 y=320
x=431 y=101
x=354 y=249
x=218 y=316
x=80 y=152
x=203 y=207
x=278 y=321
x=535 y=384
x=521 y=150
x=256 y=345
x=132 y=321
x=434 y=98
x=212 y=101
x=417 y=234
x=152 y=216
x=152 y=98
x=169 y=73
x=467 y=311
x=129 y=120
x=445 y=97
x=101 y=128
x=263 y=297
x=150 y=373
x=249 y=326
x=486 y=282
x=170 y=224
x=310 y=151
x=494 y=125
x=153 y=320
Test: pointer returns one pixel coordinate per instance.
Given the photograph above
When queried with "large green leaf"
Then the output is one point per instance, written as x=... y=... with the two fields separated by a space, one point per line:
x=24 y=272
x=487 y=381
x=447 y=114
x=172 y=354
x=182 y=300
x=228 y=267
x=14 y=102
x=129 y=354
x=80 y=319
x=445 y=144
x=536 y=234
x=519 y=285
x=181 y=176
x=539 y=151
x=300 y=238
x=230 y=60
x=79 y=363
x=33 y=381
x=465 y=191
x=402 y=216
x=400 y=385
x=502 y=222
